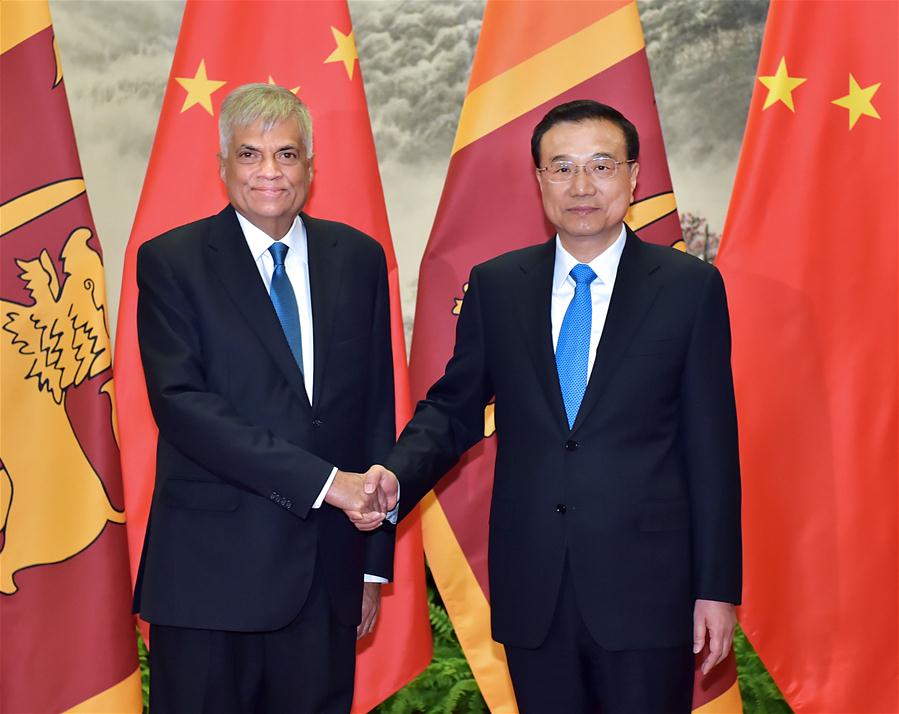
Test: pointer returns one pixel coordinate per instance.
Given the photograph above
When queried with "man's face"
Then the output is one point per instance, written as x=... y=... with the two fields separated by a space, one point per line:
x=587 y=210
x=267 y=175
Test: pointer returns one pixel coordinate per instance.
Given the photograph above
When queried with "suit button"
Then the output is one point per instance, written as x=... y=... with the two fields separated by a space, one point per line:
x=316 y=423
x=561 y=508
x=571 y=445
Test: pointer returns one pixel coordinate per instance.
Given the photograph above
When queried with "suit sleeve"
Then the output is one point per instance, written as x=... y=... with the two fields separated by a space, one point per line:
x=199 y=422
x=710 y=449
x=450 y=419
x=381 y=419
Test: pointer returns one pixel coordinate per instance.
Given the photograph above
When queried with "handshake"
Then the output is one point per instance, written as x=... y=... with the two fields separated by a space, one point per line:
x=365 y=498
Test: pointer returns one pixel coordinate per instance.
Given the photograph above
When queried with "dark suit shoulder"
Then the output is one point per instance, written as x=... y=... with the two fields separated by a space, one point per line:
x=181 y=237
x=345 y=234
x=514 y=259
x=677 y=262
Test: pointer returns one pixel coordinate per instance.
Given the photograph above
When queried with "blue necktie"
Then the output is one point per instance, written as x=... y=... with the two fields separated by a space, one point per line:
x=573 y=347
x=285 y=301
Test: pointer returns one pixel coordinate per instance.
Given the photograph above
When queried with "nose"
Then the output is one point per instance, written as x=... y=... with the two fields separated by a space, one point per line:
x=269 y=167
x=581 y=185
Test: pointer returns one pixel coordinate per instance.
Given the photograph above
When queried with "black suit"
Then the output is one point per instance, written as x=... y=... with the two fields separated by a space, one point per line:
x=233 y=543
x=641 y=497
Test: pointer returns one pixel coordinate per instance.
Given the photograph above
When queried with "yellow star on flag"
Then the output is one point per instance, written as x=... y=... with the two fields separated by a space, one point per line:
x=272 y=81
x=345 y=51
x=199 y=89
x=858 y=101
x=780 y=86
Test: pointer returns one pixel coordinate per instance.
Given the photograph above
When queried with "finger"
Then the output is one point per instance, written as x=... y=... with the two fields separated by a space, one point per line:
x=372 y=480
x=369 y=524
x=699 y=632
x=716 y=643
x=382 y=500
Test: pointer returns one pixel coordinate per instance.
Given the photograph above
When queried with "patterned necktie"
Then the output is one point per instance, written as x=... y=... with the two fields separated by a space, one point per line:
x=573 y=347
x=285 y=301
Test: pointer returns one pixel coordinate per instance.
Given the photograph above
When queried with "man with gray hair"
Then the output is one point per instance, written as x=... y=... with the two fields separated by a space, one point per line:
x=251 y=324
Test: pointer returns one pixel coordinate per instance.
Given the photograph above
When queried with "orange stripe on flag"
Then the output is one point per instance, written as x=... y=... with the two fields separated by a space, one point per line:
x=544 y=25
x=21 y=20
x=122 y=697
x=549 y=73
x=457 y=584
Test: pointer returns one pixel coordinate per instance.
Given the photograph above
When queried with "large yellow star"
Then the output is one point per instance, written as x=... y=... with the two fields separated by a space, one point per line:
x=345 y=51
x=199 y=89
x=858 y=101
x=780 y=86
x=272 y=81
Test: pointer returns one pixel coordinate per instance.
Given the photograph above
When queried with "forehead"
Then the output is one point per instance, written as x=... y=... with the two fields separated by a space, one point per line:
x=583 y=139
x=285 y=132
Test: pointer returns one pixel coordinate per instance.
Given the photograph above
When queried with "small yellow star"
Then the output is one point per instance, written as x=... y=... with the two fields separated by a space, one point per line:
x=858 y=101
x=199 y=89
x=345 y=51
x=272 y=81
x=780 y=86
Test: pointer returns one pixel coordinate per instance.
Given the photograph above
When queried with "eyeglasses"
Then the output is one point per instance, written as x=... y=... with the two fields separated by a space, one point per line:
x=598 y=169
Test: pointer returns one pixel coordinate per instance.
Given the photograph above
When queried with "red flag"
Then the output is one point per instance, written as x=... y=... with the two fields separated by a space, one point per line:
x=530 y=57
x=308 y=47
x=810 y=262
x=65 y=602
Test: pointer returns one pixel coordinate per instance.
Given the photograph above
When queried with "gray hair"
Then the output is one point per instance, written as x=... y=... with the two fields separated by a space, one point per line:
x=267 y=103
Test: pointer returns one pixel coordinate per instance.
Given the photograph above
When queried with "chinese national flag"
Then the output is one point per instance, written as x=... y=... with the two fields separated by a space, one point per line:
x=810 y=262
x=530 y=57
x=67 y=634
x=309 y=48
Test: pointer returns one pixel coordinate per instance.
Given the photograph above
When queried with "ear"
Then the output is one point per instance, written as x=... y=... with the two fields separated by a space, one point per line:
x=221 y=167
x=635 y=170
x=537 y=175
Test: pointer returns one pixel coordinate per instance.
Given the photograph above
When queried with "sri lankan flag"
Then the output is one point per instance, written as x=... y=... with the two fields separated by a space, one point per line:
x=530 y=57
x=68 y=641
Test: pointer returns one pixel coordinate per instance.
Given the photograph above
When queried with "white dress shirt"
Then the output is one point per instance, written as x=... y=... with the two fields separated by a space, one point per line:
x=605 y=265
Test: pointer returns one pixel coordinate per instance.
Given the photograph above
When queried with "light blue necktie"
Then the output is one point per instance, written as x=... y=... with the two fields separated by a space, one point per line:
x=285 y=301
x=573 y=347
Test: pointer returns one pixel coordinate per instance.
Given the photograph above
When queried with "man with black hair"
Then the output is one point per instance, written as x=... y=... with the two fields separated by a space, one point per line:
x=615 y=547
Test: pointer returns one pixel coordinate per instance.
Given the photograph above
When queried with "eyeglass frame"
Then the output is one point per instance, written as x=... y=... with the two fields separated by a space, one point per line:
x=545 y=169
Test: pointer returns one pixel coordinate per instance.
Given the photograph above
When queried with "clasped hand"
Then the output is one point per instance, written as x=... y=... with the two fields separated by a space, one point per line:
x=365 y=498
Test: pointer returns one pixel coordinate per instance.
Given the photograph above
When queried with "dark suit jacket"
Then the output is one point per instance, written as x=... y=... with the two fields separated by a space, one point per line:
x=233 y=542
x=642 y=495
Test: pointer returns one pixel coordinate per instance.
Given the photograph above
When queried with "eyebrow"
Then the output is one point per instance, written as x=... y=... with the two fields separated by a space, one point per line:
x=597 y=155
x=286 y=147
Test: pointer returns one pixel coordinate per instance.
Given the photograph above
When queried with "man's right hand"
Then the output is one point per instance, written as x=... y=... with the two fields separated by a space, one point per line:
x=381 y=484
x=348 y=493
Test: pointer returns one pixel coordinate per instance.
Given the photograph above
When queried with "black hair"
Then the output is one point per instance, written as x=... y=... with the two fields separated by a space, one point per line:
x=581 y=110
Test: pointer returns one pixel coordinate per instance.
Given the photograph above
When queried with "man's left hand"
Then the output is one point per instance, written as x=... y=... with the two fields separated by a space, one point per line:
x=716 y=620
x=371 y=605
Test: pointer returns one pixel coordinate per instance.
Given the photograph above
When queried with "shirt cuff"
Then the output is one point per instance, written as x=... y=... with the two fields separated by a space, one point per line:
x=324 y=491
x=374 y=579
x=392 y=515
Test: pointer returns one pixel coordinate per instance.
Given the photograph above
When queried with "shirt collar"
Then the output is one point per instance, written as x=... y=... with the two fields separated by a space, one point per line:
x=259 y=241
x=605 y=265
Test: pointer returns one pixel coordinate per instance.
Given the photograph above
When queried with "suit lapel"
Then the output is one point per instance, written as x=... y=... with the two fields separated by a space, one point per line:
x=325 y=273
x=235 y=266
x=634 y=292
x=536 y=320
